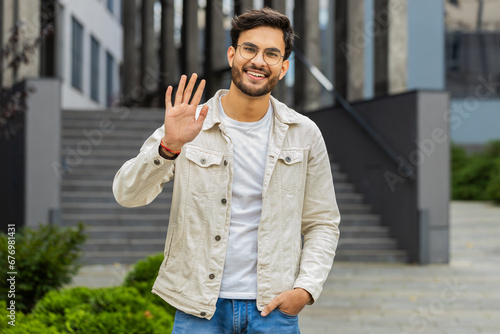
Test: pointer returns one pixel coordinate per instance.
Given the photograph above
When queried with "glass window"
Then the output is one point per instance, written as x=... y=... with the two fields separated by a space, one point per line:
x=94 y=69
x=76 y=54
x=110 y=64
x=110 y=5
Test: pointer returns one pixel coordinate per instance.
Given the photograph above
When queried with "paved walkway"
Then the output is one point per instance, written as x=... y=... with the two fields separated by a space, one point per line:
x=462 y=297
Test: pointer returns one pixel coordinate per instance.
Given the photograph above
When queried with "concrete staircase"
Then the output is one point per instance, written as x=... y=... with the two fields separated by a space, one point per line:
x=363 y=238
x=94 y=146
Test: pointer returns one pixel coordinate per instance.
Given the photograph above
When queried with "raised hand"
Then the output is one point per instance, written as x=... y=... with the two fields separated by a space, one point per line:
x=181 y=125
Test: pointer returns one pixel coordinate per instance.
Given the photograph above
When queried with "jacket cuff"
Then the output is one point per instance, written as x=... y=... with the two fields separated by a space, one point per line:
x=155 y=159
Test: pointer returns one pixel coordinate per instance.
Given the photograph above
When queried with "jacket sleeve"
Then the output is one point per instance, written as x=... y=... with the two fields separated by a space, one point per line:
x=141 y=179
x=320 y=220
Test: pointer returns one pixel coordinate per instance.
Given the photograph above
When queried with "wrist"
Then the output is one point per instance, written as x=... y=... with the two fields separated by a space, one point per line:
x=306 y=295
x=170 y=146
x=166 y=154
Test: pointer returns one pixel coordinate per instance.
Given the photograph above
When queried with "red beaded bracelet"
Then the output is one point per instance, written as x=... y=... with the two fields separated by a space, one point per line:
x=169 y=150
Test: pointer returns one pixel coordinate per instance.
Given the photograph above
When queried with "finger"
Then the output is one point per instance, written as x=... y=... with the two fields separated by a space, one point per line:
x=168 y=98
x=199 y=93
x=180 y=90
x=270 y=307
x=189 y=88
x=202 y=115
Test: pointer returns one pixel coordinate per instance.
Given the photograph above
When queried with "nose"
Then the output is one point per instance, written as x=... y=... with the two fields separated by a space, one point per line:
x=259 y=58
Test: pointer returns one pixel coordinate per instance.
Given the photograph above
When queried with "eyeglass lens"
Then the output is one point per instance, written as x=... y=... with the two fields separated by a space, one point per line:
x=249 y=51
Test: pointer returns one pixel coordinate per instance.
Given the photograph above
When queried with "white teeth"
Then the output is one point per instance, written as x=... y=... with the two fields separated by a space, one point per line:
x=256 y=74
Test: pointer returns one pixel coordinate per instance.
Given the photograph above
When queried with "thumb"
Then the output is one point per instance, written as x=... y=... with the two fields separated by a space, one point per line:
x=270 y=307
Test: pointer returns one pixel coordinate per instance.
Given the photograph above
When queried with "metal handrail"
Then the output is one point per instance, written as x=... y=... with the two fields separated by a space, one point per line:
x=323 y=80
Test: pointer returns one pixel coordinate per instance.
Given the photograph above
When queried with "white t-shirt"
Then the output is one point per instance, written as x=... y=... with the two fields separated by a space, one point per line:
x=239 y=279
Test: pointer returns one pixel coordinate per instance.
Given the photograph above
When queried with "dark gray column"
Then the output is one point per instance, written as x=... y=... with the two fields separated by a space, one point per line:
x=279 y=91
x=168 y=51
x=149 y=74
x=129 y=48
x=2 y=13
x=279 y=5
x=381 y=68
x=241 y=6
x=307 y=89
x=190 y=32
x=215 y=52
x=340 y=42
x=349 y=48
x=391 y=46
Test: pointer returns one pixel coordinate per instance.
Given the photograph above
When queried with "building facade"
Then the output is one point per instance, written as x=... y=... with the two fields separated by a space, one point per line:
x=84 y=51
x=473 y=70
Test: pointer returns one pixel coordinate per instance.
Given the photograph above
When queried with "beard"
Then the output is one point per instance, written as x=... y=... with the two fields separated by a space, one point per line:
x=237 y=78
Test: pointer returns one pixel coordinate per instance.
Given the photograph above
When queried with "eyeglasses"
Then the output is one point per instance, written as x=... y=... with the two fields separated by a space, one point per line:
x=271 y=55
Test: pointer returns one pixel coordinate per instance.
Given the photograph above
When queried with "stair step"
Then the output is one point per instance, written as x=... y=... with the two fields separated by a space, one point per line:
x=69 y=196
x=348 y=198
x=97 y=136
x=87 y=162
x=155 y=206
x=363 y=231
x=343 y=187
x=124 y=245
x=99 y=257
x=347 y=208
x=108 y=144
x=123 y=114
x=122 y=154
x=360 y=219
x=124 y=216
x=126 y=232
x=107 y=125
x=367 y=243
x=392 y=255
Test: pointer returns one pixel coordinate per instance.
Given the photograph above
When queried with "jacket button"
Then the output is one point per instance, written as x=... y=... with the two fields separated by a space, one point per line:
x=211 y=276
x=288 y=159
x=217 y=238
x=203 y=314
x=157 y=162
x=223 y=201
x=225 y=162
x=203 y=161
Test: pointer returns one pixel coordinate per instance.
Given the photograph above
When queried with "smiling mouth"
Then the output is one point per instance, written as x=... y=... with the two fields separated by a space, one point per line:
x=255 y=75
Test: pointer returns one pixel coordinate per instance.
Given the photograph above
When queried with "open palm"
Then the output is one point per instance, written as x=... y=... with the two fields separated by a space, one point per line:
x=181 y=125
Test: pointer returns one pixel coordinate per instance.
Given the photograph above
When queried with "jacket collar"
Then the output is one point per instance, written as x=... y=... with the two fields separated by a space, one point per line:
x=281 y=111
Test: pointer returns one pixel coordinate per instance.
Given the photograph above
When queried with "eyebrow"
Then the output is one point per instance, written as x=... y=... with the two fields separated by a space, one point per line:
x=268 y=49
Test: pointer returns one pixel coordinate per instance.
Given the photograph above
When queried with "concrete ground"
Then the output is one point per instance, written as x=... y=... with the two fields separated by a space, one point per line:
x=460 y=297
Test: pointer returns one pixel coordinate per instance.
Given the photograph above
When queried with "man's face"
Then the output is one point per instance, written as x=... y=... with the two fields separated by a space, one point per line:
x=254 y=77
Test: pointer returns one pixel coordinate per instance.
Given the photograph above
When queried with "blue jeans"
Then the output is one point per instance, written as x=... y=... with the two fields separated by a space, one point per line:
x=234 y=316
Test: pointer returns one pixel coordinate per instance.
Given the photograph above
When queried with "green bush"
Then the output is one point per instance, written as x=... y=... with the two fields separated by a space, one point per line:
x=117 y=310
x=44 y=261
x=21 y=323
x=142 y=277
x=476 y=176
x=493 y=188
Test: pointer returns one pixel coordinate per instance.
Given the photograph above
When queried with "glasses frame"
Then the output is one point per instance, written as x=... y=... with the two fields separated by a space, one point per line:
x=263 y=55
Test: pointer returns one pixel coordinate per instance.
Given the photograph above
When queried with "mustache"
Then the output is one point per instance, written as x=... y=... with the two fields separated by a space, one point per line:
x=253 y=67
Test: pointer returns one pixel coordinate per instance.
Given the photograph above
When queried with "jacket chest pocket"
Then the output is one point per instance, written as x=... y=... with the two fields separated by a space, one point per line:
x=290 y=166
x=203 y=169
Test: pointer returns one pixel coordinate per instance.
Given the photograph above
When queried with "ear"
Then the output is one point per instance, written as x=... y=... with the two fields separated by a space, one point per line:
x=284 y=68
x=230 y=55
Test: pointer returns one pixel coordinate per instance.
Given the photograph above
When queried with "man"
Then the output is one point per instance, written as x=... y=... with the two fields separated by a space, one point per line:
x=251 y=177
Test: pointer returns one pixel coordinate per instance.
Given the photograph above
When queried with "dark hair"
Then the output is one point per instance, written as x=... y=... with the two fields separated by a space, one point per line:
x=265 y=17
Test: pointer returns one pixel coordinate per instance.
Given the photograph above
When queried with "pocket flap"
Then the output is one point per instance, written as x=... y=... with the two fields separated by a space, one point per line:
x=203 y=158
x=291 y=157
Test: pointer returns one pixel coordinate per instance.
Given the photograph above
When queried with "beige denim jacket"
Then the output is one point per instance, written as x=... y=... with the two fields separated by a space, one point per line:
x=297 y=199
